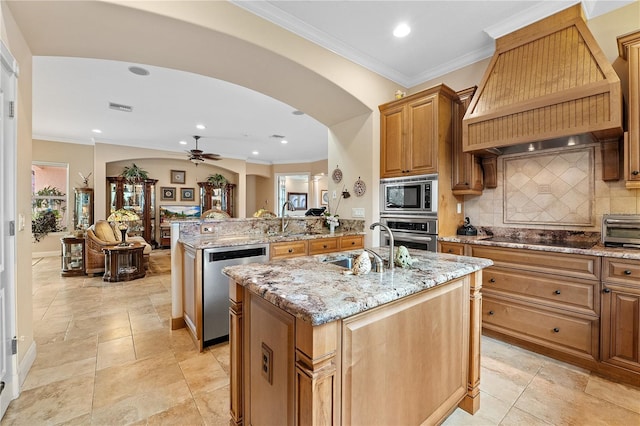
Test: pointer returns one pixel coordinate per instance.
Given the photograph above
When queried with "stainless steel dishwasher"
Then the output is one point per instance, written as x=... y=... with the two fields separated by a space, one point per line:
x=215 y=286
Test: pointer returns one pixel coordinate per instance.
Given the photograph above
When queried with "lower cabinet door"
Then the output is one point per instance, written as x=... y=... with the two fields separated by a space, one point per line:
x=621 y=326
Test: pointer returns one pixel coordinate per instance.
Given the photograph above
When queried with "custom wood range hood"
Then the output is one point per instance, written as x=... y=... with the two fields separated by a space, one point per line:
x=546 y=81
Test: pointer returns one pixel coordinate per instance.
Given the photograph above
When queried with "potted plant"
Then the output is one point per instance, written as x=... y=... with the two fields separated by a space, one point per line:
x=217 y=180
x=47 y=212
x=134 y=174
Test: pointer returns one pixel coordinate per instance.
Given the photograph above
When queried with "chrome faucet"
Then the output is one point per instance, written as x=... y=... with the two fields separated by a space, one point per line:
x=284 y=225
x=386 y=228
x=377 y=259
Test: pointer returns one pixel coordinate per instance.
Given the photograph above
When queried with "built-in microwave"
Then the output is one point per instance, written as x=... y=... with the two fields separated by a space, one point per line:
x=621 y=230
x=416 y=194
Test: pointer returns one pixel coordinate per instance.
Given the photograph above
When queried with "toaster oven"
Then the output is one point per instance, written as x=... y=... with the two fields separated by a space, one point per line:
x=621 y=230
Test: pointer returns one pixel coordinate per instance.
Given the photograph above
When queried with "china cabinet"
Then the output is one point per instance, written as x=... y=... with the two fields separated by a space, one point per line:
x=72 y=256
x=136 y=196
x=83 y=208
x=219 y=198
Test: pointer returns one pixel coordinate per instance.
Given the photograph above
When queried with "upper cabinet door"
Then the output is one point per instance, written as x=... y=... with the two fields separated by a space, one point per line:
x=421 y=154
x=629 y=49
x=391 y=142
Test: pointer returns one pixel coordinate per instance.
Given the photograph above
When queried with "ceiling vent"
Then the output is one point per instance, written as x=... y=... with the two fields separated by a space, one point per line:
x=545 y=81
x=120 y=107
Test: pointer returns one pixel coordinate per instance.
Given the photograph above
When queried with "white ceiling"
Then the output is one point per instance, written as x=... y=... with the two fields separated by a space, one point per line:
x=71 y=95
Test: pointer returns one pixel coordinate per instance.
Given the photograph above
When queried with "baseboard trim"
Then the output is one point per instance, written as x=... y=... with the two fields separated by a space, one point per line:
x=37 y=254
x=27 y=362
x=177 y=323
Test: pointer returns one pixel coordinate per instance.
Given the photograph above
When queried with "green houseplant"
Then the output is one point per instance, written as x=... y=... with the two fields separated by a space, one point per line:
x=217 y=180
x=134 y=174
x=47 y=211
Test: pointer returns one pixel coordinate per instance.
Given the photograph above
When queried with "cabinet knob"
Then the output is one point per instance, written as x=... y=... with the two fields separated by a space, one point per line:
x=450 y=251
x=557 y=292
x=492 y=280
x=556 y=330
x=606 y=290
x=635 y=172
x=627 y=272
x=324 y=246
x=491 y=312
x=290 y=250
x=353 y=243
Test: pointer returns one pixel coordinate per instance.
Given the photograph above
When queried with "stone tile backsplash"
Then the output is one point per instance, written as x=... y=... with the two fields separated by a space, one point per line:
x=488 y=209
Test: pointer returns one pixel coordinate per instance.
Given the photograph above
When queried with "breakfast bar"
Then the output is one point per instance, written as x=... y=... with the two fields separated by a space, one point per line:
x=311 y=344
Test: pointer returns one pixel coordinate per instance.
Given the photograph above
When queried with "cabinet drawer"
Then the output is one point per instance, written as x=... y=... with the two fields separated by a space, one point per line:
x=323 y=245
x=570 y=294
x=571 y=265
x=560 y=332
x=288 y=249
x=622 y=271
x=351 y=242
x=452 y=248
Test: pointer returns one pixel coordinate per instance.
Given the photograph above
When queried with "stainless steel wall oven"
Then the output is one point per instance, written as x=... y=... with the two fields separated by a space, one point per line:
x=412 y=231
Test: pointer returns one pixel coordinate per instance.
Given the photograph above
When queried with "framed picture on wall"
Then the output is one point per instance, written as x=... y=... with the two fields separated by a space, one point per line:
x=168 y=193
x=178 y=176
x=324 y=197
x=187 y=194
x=298 y=200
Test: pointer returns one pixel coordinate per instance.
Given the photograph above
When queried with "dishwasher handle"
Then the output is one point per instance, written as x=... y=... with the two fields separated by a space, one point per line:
x=236 y=254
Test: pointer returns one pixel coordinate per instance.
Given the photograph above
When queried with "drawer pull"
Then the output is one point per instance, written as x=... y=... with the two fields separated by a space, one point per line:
x=324 y=246
x=492 y=280
x=635 y=172
x=491 y=312
x=557 y=292
x=290 y=250
x=556 y=330
x=606 y=290
x=450 y=251
x=353 y=243
x=627 y=272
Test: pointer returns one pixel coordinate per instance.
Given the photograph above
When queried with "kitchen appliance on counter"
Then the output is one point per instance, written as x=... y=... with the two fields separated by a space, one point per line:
x=416 y=194
x=467 y=229
x=412 y=231
x=215 y=286
x=621 y=230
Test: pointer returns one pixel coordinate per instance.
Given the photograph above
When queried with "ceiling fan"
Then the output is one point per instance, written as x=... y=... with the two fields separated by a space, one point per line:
x=196 y=155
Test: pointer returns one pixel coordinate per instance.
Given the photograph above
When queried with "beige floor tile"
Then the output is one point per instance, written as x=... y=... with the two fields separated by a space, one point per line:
x=152 y=343
x=115 y=352
x=56 y=403
x=145 y=322
x=214 y=406
x=203 y=373
x=58 y=353
x=617 y=393
x=517 y=417
x=503 y=381
x=43 y=376
x=222 y=353
x=186 y=413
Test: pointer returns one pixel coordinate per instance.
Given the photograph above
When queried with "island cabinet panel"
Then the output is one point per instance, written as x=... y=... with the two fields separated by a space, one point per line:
x=324 y=245
x=546 y=302
x=418 y=334
x=192 y=293
x=288 y=249
x=621 y=314
x=351 y=242
x=270 y=360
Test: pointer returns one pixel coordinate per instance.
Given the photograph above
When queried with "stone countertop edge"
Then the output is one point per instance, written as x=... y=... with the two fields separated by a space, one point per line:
x=205 y=241
x=319 y=292
x=597 y=250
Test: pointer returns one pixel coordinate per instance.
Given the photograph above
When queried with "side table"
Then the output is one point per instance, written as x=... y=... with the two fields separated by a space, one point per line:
x=72 y=256
x=123 y=263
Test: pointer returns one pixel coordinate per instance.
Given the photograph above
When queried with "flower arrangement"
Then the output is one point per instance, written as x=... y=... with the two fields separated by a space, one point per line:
x=332 y=221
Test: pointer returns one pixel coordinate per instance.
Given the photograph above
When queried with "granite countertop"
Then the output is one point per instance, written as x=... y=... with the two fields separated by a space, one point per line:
x=598 y=249
x=319 y=292
x=203 y=241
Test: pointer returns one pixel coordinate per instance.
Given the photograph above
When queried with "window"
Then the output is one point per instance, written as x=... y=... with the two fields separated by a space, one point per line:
x=49 y=189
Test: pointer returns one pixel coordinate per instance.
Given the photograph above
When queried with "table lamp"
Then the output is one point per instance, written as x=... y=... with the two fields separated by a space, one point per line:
x=122 y=216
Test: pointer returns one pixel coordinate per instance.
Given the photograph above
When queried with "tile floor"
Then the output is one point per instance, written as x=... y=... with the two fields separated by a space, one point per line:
x=106 y=356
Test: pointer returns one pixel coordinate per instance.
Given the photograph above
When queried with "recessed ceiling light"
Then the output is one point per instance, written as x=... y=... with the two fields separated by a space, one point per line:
x=402 y=30
x=255 y=152
x=297 y=112
x=96 y=131
x=182 y=142
x=200 y=126
x=139 y=70
x=284 y=141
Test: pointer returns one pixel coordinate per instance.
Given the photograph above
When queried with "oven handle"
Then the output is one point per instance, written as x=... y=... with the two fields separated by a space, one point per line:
x=413 y=237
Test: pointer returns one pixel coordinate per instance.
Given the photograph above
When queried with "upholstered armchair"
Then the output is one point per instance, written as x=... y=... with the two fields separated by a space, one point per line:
x=100 y=235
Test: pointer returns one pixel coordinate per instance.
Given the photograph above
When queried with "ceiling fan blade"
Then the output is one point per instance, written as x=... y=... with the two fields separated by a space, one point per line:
x=211 y=157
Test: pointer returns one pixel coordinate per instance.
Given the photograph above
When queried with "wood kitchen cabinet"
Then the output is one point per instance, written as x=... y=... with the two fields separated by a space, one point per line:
x=412 y=129
x=466 y=169
x=451 y=248
x=192 y=293
x=629 y=49
x=288 y=249
x=621 y=314
x=547 y=302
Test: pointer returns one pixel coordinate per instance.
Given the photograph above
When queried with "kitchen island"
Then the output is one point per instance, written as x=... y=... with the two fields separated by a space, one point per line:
x=312 y=345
